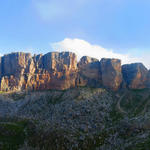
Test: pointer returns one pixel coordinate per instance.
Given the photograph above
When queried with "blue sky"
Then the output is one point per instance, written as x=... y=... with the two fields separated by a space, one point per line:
x=119 y=26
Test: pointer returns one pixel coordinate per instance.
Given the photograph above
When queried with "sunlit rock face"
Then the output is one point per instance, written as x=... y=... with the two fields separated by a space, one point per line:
x=59 y=69
x=54 y=70
x=14 y=67
x=51 y=71
x=135 y=75
x=17 y=64
x=55 y=61
x=88 y=72
x=111 y=73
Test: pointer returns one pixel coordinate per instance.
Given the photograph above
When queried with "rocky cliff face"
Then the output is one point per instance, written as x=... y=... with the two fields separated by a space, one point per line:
x=55 y=71
x=14 y=67
x=22 y=71
x=17 y=64
x=148 y=79
x=52 y=71
x=135 y=75
x=88 y=72
x=111 y=73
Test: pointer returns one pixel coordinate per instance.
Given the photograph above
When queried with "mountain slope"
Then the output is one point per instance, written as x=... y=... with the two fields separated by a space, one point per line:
x=79 y=118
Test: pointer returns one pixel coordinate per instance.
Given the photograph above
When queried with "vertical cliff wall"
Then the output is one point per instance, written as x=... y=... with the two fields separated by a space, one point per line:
x=54 y=70
x=135 y=75
x=88 y=72
x=111 y=73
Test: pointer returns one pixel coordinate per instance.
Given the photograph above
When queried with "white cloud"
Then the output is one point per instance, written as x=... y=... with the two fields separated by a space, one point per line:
x=83 y=48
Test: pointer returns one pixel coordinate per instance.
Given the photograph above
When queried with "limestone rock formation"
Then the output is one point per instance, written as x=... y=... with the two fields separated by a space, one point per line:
x=111 y=73
x=89 y=72
x=13 y=69
x=50 y=71
x=59 y=70
x=17 y=64
x=54 y=70
x=135 y=75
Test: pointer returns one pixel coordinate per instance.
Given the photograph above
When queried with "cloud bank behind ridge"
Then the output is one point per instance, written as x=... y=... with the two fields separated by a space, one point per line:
x=83 y=48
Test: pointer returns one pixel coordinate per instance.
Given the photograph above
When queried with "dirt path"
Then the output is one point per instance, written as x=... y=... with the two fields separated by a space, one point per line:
x=118 y=104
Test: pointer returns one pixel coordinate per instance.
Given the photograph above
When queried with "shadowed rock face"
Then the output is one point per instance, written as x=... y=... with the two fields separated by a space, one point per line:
x=135 y=75
x=148 y=79
x=21 y=71
x=111 y=73
x=89 y=72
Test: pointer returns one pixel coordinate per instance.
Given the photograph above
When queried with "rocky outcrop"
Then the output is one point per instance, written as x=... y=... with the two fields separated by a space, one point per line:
x=88 y=72
x=135 y=75
x=51 y=71
x=54 y=70
x=14 y=68
x=17 y=64
x=148 y=80
x=111 y=73
x=60 y=62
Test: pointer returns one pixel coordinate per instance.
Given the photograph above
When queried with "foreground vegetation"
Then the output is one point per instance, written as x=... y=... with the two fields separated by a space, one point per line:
x=78 y=119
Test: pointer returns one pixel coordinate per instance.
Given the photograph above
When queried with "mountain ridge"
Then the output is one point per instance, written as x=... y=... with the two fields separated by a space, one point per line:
x=60 y=70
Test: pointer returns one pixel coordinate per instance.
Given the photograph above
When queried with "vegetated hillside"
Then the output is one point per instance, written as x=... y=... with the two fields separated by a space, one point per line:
x=79 y=118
